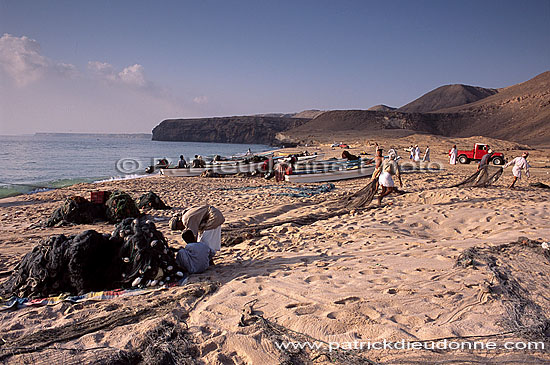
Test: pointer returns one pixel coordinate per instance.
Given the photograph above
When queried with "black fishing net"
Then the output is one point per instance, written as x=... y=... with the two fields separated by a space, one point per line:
x=519 y=275
x=145 y=256
x=120 y=205
x=77 y=210
x=61 y=264
x=486 y=176
x=134 y=255
x=151 y=200
x=540 y=185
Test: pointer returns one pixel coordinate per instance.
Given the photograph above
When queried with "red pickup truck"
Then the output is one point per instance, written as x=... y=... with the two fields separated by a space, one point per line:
x=477 y=153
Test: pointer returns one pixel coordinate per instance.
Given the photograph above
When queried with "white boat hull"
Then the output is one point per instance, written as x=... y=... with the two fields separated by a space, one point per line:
x=222 y=169
x=331 y=175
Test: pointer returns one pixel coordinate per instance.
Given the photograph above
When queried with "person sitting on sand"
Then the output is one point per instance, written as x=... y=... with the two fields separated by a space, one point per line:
x=204 y=222
x=389 y=168
x=196 y=256
x=520 y=163
x=182 y=163
x=485 y=160
x=348 y=156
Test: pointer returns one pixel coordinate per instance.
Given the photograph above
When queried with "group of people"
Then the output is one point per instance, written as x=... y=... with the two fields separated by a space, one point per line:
x=520 y=163
x=197 y=162
x=415 y=154
x=201 y=228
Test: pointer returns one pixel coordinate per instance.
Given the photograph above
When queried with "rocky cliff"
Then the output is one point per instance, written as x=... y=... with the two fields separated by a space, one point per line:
x=240 y=129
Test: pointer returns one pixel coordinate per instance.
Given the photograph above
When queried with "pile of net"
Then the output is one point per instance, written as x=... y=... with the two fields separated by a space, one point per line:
x=119 y=206
x=519 y=274
x=486 y=176
x=151 y=200
x=78 y=210
x=134 y=255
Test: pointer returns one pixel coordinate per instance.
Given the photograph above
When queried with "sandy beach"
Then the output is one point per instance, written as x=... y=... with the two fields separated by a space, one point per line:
x=374 y=274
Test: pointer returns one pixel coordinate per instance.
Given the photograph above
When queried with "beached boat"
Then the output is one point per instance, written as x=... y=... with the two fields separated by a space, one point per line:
x=222 y=169
x=334 y=175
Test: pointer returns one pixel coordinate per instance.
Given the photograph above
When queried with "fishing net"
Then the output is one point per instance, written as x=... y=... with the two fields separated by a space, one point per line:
x=78 y=210
x=120 y=205
x=520 y=272
x=134 y=255
x=166 y=342
x=540 y=185
x=485 y=177
x=145 y=256
x=151 y=200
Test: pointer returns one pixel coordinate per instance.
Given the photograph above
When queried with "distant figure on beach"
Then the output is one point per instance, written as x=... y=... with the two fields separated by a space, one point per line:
x=452 y=155
x=249 y=152
x=378 y=160
x=182 y=163
x=195 y=257
x=520 y=163
x=389 y=168
x=348 y=156
x=426 y=155
x=416 y=153
x=198 y=162
x=485 y=160
x=411 y=150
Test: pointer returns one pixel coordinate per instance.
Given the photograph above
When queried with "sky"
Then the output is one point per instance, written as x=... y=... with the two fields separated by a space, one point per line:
x=124 y=66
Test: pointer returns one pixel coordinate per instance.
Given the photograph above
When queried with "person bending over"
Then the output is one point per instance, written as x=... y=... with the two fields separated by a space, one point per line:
x=389 y=168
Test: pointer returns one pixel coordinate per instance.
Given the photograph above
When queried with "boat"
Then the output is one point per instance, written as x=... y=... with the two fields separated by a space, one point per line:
x=333 y=175
x=222 y=169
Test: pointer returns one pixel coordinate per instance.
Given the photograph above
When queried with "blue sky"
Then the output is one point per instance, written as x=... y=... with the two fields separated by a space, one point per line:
x=123 y=66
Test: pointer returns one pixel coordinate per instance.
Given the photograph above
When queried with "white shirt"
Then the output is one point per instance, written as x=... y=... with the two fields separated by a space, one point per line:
x=519 y=163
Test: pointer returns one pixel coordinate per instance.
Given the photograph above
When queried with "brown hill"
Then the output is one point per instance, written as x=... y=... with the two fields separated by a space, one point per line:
x=381 y=108
x=518 y=113
x=447 y=96
x=308 y=114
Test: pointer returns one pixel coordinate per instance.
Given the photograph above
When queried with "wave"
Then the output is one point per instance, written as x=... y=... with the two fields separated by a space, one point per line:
x=14 y=189
x=126 y=177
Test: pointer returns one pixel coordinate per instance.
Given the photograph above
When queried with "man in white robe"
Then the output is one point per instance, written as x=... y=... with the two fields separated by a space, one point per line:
x=416 y=153
x=520 y=163
x=452 y=155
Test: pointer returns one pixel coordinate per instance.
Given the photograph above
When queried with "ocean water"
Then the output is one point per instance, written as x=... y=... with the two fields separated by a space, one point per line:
x=36 y=162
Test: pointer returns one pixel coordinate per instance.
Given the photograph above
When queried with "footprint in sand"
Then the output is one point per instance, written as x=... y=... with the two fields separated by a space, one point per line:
x=312 y=278
x=346 y=300
x=296 y=305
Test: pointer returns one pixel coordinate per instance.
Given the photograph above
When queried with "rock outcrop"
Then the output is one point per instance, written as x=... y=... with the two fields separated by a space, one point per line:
x=240 y=129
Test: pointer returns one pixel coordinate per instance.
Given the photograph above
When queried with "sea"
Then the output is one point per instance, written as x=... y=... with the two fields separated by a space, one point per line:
x=32 y=163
